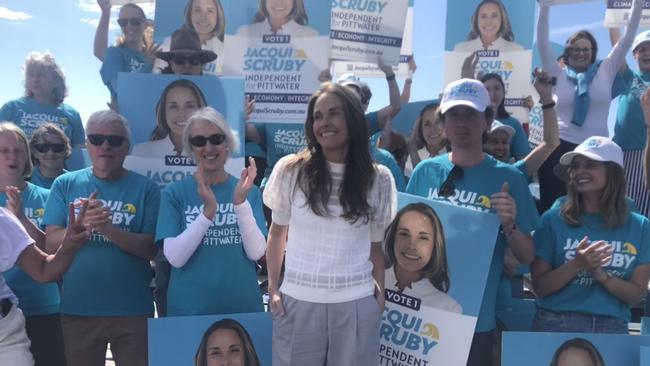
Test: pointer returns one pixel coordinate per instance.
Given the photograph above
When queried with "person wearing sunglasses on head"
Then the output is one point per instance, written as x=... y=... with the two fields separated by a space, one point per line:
x=38 y=301
x=134 y=50
x=106 y=295
x=491 y=186
x=184 y=54
x=211 y=226
x=50 y=148
x=45 y=91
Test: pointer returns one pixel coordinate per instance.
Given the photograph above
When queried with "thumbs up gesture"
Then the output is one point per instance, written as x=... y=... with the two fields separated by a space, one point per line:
x=504 y=205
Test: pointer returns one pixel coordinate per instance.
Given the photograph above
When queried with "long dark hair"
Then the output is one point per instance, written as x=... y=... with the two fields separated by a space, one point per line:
x=250 y=355
x=437 y=270
x=501 y=109
x=162 y=128
x=314 y=178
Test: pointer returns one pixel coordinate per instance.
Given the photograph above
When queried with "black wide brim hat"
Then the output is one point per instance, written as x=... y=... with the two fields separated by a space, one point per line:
x=186 y=41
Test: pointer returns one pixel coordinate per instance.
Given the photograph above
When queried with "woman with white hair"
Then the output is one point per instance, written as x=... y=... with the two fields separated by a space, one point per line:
x=211 y=226
x=45 y=91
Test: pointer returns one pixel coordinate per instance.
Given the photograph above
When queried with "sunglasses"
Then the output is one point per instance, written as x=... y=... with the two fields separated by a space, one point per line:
x=200 y=141
x=113 y=140
x=184 y=60
x=448 y=187
x=136 y=22
x=43 y=148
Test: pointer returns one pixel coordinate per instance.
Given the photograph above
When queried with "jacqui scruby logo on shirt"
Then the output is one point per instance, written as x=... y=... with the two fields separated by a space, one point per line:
x=463 y=198
x=224 y=229
x=34 y=120
x=623 y=255
x=121 y=213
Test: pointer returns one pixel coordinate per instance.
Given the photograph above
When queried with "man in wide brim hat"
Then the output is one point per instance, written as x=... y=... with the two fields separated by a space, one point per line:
x=185 y=55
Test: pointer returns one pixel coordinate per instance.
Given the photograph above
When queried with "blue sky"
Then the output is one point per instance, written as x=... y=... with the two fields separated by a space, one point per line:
x=67 y=27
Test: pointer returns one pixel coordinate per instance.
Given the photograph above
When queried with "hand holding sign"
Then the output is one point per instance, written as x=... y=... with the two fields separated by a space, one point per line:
x=469 y=66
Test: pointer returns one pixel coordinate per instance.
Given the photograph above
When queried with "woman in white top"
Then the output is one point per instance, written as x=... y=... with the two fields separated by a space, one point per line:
x=417 y=257
x=208 y=20
x=177 y=102
x=491 y=30
x=279 y=17
x=583 y=92
x=330 y=206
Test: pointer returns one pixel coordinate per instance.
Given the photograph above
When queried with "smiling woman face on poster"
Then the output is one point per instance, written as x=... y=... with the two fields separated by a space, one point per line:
x=226 y=342
x=490 y=29
x=177 y=102
x=279 y=16
x=207 y=18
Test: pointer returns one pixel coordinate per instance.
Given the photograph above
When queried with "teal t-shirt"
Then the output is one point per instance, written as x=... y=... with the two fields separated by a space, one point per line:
x=218 y=278
x=474 y=191
x=122 y=59
x=38 y=179
x=630 y=129
x=556 y=242
x=33 y=298
x=519 y=146
x=29 y=114
x=104 y=280
x=385 y=158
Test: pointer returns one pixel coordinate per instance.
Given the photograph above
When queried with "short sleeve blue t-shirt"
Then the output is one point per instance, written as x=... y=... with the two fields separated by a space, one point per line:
x=556 y=243
x=218 y=278
x=630 y=129
x=38 y=179
x=104 y=280
x=33 y=298
x=385 y=158
x=122 y=59
x=519 y=146
x=29 y=114
x=474 y=191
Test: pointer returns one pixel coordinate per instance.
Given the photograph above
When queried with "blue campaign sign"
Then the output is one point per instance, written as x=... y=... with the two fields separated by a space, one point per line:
x=139 y=94
x=459 y=22
x=175 y=341
x=470 y=237
x=645 y=356
x=538 y=349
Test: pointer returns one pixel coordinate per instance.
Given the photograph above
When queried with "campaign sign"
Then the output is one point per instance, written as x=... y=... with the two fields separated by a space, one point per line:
x=618 y=13
x=561 y=2
x=172 y=15
x=539 y=348
x=645 y=356
x=413 y=330
x=370 y=69
x=175 y=341
x=156 y=131
x=122 y=2
x=281 y=64
x=366 y=30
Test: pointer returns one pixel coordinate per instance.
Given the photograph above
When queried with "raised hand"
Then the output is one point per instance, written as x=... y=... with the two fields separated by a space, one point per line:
x=14 y=202
x=150 y=52
x=205 y=193
x=249 y=107
x=105 y=6
x=469 y=66
x=504 y=205
x=245 y=183
x=543 y=86
x=386 y=69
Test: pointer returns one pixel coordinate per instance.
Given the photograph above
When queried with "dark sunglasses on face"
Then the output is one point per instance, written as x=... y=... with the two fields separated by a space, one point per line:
x=448 y=187
x=113 y=140
x=184 y=60
x=136 y=22
x=43 y=148
x=200 y=141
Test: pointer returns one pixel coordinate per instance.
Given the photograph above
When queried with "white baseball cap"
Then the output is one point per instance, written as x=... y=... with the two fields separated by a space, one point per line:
x=641 y=38
x=498 y=126
x=596 y=148
x=350 y=79
x=467 y=92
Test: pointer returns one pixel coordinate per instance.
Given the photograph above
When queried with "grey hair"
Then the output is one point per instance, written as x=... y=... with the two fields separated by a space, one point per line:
x=106 y=116
x=213 y=117
x=45 y=60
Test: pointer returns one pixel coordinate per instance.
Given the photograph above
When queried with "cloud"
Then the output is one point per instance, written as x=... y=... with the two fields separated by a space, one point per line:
x=13 y=15
x=569 y=30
